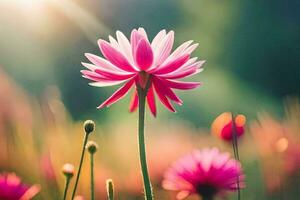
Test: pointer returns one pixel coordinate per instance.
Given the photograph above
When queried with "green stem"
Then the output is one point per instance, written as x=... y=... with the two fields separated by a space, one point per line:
x=142 y=93
x=92 y=177
x=236 y=152
x=66 y=187
x=80 y=164
x=208 y=198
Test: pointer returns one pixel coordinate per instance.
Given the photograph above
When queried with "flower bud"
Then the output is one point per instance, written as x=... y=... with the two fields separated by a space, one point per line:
x=110 y=189
x=79 y=197
x=223 y=126
x=89 y=126
x=68 y=170
x=92 y=147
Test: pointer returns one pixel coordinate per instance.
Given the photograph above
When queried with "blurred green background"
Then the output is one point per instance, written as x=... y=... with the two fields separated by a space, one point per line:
x=251 y=48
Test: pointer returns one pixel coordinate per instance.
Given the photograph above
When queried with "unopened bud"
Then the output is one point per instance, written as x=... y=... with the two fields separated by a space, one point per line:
x=92 y=147
x=110 y=189
x=89 y=126
x=79 y=197
x=68 y=170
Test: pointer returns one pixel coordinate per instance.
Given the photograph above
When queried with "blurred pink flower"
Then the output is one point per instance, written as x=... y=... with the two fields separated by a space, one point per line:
x=207 y=173
x=11 y=188
x=46 y=166
x=292 y=159
x=136 y=61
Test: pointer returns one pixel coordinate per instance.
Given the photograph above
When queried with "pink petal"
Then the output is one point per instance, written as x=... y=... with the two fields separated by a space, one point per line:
x=184 y=71
x=104 y=77
x=191 y=49
x=143 y=33
x=106 y=83
x=113 y=42
x=164 y=49
x=182 y=195
x=172 y=65
x=114 y=56
x=89 y=66
x=163 y=99
x=157 y=39
x=151 y=101
x=114 y=76
x=182 y=74
x=144 y=54
x=119 y=94
x=166 y=91
x=191 y=63
x=125 y=46
x=94 y=67
x=100 y=81
x=134 y=40
x=101 y=62
x=181 y=85
x=93 y=76
x=134 y=102
x=179 y=51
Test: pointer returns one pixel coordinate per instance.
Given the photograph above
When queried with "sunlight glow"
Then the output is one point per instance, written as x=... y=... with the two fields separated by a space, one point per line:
x=86 y=21
x=25 y=4
x=36 y=10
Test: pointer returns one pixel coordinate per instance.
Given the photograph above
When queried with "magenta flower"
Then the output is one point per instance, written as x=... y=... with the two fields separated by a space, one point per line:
x=11 y=188
x=138 y=61
x=207 y=173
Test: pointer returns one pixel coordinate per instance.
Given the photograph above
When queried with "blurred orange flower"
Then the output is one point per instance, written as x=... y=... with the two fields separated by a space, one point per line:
x=278 y=145
x=223 y=124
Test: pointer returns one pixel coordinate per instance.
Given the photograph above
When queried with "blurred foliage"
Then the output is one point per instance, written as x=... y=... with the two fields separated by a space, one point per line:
x=252 y=61
x=37 y=137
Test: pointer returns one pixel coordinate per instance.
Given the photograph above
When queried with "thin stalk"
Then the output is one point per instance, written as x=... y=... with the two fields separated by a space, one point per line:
x=208 y=198
x=110 y=189
x=67 y=183
x=85 y=139
x=92 y=177
x=236 y=151
x=142 y=93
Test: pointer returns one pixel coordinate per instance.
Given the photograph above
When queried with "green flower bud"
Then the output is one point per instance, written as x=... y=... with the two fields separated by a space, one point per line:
x=89 y=126
x=92 y=147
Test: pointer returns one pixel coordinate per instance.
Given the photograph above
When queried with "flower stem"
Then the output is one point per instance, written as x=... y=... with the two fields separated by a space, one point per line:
x=80 y=163
x=92 y=177
x=236 y=151
x=68 y=178
x=142 y=93
x=208 y=198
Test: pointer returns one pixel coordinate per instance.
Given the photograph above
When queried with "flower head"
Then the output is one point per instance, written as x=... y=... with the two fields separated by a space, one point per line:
x=223 y=126
x=68 y=170
x=89 y=126
x=79 y=197
x=11 y=188
x=92 y=147
x=205 y=172
x=138 y=62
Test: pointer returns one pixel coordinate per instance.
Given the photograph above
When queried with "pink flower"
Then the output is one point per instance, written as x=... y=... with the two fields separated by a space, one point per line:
x=11 y=188
x=137 y=61
x=207 y=173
